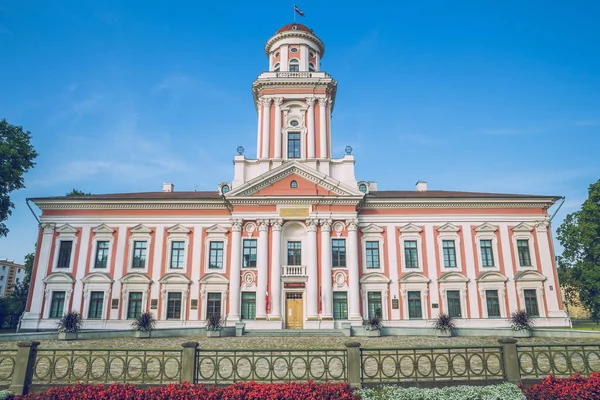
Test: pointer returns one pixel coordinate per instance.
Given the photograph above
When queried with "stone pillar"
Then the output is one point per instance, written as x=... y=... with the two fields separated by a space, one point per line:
x=326 y=289
x=353 y=368
x=259 y=130
x=35 y=311
x=310 y=142
x=277 y=142
x=234 y=277
x=24 y=367
x=266 y=127
x=276 y=271
x=312 y=289
x=263 y=269
x=546 y=261
x=510 y=360
x=322 y=128
x=352 y=260
x=330 y=104
x=188 y=362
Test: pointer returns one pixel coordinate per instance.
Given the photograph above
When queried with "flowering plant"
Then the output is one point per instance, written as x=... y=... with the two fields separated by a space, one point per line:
x=576 y=387
x=519 y=320
x=70 y=322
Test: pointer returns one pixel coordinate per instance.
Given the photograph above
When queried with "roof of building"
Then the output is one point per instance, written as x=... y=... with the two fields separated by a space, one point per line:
x=294 y=27
x=196 y=195
x=387 y=194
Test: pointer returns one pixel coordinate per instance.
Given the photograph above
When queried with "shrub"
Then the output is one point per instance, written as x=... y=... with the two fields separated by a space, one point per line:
x=4 y=394
x=444 y=323
x=576 y=387
x=70 y=322
x=519 y=320
x=241 y=390
x=504 y=391
x=214 y=322
x=145 y=322
x=373 y=323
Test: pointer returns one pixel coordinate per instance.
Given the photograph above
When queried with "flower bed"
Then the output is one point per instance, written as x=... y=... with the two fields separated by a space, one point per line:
x=238 y=391
x=576 y=387
x=504 y=391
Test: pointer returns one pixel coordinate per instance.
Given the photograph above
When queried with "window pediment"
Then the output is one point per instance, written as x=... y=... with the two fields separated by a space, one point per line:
x=140 y=228
x=66 y=228
x=491 y=276
x=103 y=228
x=529 y=276
x=372 y=228
x=59 y=277
x=486 y=227
x=375 y=277
x=448 y=228
x=135 y=277
x=216 y=230
x=175 y=278
x=522 y=227
x=453 y=277
x=97 y=277
x=414 y=277
x=178 y=229
x=410 y=228
x=213 y=279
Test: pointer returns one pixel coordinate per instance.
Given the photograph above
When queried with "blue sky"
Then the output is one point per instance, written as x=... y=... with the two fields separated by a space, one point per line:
x=481 y=96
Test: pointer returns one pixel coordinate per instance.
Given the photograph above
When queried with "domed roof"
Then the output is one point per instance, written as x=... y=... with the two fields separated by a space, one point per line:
x=294 y=27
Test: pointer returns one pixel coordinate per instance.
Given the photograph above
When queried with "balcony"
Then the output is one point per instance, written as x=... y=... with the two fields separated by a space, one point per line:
x=293 y=273
x=295 y=74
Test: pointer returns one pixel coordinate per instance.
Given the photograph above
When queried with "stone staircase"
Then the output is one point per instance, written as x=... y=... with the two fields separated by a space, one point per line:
x=292 y=332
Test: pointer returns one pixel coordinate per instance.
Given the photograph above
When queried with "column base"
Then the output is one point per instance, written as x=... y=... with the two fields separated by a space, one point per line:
x=274 y=317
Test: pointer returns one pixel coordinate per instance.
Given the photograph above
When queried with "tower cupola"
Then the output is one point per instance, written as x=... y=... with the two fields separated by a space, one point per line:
x=294 y=48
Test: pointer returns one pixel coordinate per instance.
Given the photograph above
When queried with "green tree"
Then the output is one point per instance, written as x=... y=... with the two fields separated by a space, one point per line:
x=579 y=263
x=16 y=158
x=76 y=192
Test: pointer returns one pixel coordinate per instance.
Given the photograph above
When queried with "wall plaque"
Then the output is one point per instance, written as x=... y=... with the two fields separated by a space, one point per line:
x=194 y=304
x=153 y=304
x=294 y=212
x=395 y=304
x=434 y=305
x=115 y=304
x=294 y=285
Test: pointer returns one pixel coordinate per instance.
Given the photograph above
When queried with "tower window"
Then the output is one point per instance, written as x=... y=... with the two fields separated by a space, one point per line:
x=294 y=65
x=311 y=67
x=294 y=145
x=277 y=54
x=276 y=67
x=294 y=123
x=294 y=49
x=294 y=184
x=311 y=54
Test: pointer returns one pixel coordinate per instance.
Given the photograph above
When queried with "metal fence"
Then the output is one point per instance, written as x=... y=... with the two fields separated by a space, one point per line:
x=8 y=362
x=538 y=361
x=260 y=365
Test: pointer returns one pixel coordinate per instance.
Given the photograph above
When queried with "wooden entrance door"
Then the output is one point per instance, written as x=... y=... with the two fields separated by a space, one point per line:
x=294 y=311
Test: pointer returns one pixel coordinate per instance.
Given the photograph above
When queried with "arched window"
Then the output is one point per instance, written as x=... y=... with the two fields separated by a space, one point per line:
x=294 y=184
x=294 y=65
x=362 y=187
x=311 y=67
x=276 y=67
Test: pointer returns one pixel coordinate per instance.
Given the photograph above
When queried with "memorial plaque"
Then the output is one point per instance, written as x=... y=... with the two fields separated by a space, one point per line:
x=115 y=304
x=434 y=305
x=194 y=304
x=154 y=304
x=294 y=285
x=294 y=212
x=395 y=304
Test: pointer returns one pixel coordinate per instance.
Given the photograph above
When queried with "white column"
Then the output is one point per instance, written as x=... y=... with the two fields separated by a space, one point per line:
x=322 y=128
x=326 y=290
x=508 y=265
x=277 y=143
x=543 y=243
x=312 y=289
x=234 y=276
x=330 y=103
x=393 y=263
x=275 y=297
x=263 y=269
x=266 y=127
x=155 y=292
x=353 y=279
x=303 y=57
x=35 y=310
x=310 y=142
x=120 y=266
x=283 y=52
x=196 y=268
x=81 y=263
x=259 y=104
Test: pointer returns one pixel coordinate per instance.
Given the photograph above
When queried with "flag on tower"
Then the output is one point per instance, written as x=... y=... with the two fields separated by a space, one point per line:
x=299 y=11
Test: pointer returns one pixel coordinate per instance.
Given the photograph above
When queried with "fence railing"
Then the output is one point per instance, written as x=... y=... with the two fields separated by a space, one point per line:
x=229 y=366
x=536 y=361
x=432 y=364
x=8 y=362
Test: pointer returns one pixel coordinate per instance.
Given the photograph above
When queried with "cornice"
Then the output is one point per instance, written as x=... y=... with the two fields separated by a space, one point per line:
x=299 y=34
x=433 y=203
x=295 y=201
x=133 y=205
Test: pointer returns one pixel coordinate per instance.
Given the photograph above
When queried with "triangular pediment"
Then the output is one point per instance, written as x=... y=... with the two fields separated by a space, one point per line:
x=414 y=277
x=522 y=227
x=278 y=182
x=217 y=229
x=103 y=228
x=178 y=229
x=66 y=228
x=486 y=227
x=375 y=277
x=140 y=228
x=410 y=228
x=371 y=228
x=453 y=277
x=448 y=228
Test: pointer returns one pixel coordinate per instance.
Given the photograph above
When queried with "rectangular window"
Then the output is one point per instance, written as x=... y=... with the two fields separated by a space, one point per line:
x=372 y=252
x=139 y=254
x=338 y=247
x=64 y=254
x=177 y=253
x=487 y=254
x=531 y=303
x=174 y=305
x=213 y=304
x=294 y=253
x=410 y=254
x=374 y=304
x=454 y=303
x=523 y=250
x=293 y=145
x=449 y=253
x=134 y=306
x=101 y=254
x=340 y=305
x=96 y=301
x=216 y=255
x=57 y=305
x=249 y=260
x=493 y=303
x=294 y=67
x=248 y=305
x=414 y=305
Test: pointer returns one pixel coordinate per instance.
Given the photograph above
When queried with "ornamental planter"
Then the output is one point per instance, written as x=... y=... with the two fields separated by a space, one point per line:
x=213 y=334
x=143 y=334
x=522 y=333
x=67 y=335
x=374 y=333
x=444 y=334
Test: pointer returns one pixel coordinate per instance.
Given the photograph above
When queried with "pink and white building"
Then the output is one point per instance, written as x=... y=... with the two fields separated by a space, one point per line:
x=295 y=240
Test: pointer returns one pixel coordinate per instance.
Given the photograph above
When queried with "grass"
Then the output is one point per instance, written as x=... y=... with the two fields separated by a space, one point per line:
x=586 y=326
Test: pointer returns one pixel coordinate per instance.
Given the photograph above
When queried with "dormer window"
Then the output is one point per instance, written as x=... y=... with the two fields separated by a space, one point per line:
x=294 y=65
x=294 y=184
x=362 y=187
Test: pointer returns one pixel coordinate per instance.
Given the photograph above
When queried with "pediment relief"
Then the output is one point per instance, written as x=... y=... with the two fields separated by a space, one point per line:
x=449 y=227
x=97 y=277
x=486 y=227
x=214 y=279
x=66 y=228
x=491 y=276
x=453 y=277
x=135 y=277
x=529 y=276
x=410 y=228
x=375 y=277
x=217 y=230
x=59 y=277
x=372 y=228
x=522 y=227
x=175 y=277
x=178 y=229
x=140 y=228
x=414 y=277
x=103 y=228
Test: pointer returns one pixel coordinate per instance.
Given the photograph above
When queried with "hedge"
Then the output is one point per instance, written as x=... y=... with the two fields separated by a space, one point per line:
x=576 y=387
x=504 y=391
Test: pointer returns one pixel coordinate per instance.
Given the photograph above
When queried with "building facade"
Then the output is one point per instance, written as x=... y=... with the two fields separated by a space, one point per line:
x=10 y=274
x=295 y=241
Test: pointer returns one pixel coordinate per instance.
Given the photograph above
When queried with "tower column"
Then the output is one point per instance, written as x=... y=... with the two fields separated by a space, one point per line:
x=276 y=270
x=234 y=279
x=312 y=290
x=354 y=284
x=329 y=105
x=259 y=130
x=277 y=142
x=322 y=128
x=326 y=292
x=310 y=142
x=266 y=127
x=263 y=269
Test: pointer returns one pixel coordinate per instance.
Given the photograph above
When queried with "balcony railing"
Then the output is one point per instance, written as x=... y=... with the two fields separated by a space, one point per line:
x=294 y=74
x=293 y=270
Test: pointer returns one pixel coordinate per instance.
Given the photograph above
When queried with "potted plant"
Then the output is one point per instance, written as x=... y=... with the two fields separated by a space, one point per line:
x=373 y=326
x=214 y=325
x=69 y=325
x=143 y=325
x=521 y=324
x=444 y=325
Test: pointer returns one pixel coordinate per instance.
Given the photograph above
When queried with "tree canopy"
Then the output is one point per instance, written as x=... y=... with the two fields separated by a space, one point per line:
x=16 y=158
x=579 y=263
x=76 y=192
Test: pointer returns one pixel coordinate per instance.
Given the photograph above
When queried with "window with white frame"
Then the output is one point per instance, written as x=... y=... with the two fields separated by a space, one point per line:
x=294 y=65
x=65 y=245
x=453 y=287
x=492 y=301
x=530 y=290
x=139 y=245
x=372 y=251
x=523 y=252
x=411 y=256
x=372 y=244
x=449 y=253
x=174 y=305
x=338 y=249
x=178 y=243
x=449 y=245
x=139 y=254
x=96 y=305
x=410 y=244
x=487 y=244
x=215 y=255
x=101 y=259
x=213 y=304
x=375 y=291
x=531 y=302
x=177 y=254
x=414 y=304
x=64 y=254
x=249 y=253
x=487 y=253
x=57 y=304
x=492 y=291
x=454 y=303
x=523 y=245
x=102 y=243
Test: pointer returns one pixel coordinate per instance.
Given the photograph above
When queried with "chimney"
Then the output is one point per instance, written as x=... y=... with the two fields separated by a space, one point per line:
x=168 y=187
x=421 y=186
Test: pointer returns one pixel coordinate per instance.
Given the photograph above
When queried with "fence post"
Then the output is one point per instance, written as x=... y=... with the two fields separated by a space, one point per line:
x=24 y=366
x=353 y=365
x=510 y=360
x=188 y=362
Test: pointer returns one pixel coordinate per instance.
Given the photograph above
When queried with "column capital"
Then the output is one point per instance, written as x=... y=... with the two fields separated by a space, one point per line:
x=278 y=101
x=326 y=225
x=267 y=100
x=542 y=225
x=48 y=228
x=322 y=101
x=312 y=225
x=236 y=225
x=263 y=225
x=352 y=224
x=276 y=224
x=310 y=101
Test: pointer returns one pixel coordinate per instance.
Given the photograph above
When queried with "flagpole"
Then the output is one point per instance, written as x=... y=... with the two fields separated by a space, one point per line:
x=294 y=13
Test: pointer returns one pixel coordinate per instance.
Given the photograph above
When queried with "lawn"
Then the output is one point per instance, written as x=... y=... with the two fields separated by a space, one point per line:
x=586 y=325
